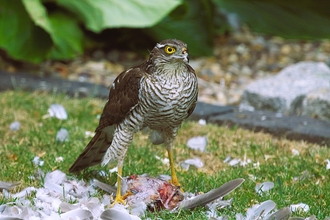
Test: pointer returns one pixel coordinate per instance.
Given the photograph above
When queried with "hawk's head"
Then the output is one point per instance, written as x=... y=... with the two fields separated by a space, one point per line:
x=170 y=50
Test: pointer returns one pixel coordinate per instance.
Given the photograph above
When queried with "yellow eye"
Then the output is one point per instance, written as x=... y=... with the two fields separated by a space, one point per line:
x=170 y=49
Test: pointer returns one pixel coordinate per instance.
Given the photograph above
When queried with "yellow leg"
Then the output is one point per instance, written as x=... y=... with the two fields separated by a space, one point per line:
x=119 y=198
x=174 y=179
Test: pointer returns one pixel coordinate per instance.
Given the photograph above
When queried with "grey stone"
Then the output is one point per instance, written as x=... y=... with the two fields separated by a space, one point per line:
x=317 y=104
x=291 y=127
x=29 y=82
x=205 y=110
x=286 y=91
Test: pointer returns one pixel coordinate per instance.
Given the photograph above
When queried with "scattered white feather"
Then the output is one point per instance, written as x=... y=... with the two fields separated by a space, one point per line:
x=267 y=211
x=58 y=111
x=118 y=212
x=295 y=152
x=105 y=200
x=261 y=211
x=65 y=207
x=56 y=177
x=197 y=143
x=15 y=126
x=202 y=121
x=37 y=161
x=164 y=161
x=234 y=162
x=62 y=135
x=252 y=177
x=139 y=209
x=165 y=177
x=245 y=162
x=113 y=170
x=59 y=159
x=77 y=214
x=197 y=162
x=93 y=205
x=237 y=162
x=328 y=164
x=184 y=166
x=9 y=210
x=228 y=158
x=262 y=188
x=214 y=206
x=67 y=198
x=256 y=165
x=53 y=200
x=299 y=207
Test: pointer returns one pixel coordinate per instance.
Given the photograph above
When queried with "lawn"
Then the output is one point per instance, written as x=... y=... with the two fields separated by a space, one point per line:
x=298 y=169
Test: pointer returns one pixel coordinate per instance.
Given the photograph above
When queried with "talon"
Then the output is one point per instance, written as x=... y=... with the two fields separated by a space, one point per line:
x=127 y=194
x=118 y=200
x=121 y=199
x=176 y=183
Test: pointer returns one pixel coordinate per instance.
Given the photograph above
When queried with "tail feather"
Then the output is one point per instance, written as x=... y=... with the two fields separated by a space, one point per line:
x=94 y=151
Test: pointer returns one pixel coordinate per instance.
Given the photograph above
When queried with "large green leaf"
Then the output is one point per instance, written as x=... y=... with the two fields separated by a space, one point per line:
x=68 y=35
x=98 y=15
x=19 y=36
x=38 y=14
x=192 y=22
x=63 y=30
x=301 y=19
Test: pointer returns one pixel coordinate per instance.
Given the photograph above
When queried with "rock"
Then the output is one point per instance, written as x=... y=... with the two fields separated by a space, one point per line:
x=205 y=111
x=291 y=127
x=30 y=82
x=317 y=104
x=290 y=91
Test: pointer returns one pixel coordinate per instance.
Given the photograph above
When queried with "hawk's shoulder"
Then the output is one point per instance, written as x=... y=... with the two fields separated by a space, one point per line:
x=123 y=95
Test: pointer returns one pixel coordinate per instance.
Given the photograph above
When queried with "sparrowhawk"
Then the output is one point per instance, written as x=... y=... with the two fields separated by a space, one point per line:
x=159 y=94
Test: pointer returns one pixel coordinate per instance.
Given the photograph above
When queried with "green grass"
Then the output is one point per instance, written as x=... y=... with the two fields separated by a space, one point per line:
x=275 y=160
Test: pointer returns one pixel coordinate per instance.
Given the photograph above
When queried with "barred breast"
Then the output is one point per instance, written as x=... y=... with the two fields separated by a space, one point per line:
x=165 y=101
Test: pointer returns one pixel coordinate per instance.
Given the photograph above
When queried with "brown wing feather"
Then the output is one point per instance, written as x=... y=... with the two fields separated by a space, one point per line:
x=94 y=151
x=124 y=94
